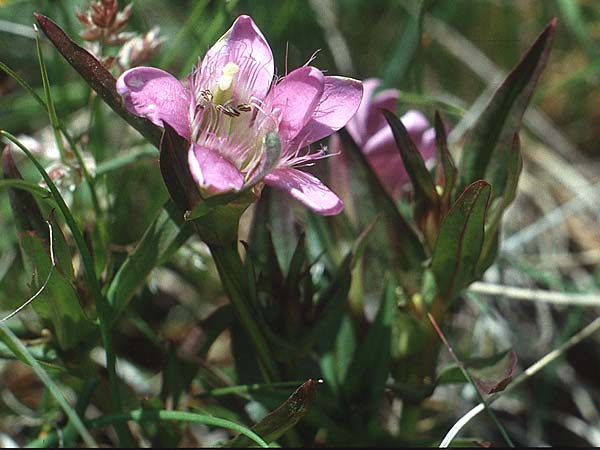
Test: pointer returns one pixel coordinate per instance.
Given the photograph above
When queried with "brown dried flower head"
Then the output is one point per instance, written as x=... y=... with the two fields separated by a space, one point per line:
x=103 y=21
x=103 y=26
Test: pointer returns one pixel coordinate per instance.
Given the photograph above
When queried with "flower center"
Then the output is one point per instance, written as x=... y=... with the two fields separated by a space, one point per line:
x=224 y=90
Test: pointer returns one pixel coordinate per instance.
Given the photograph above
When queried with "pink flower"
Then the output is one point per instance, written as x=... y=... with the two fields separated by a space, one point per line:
x=372 y=134
x=243 y=127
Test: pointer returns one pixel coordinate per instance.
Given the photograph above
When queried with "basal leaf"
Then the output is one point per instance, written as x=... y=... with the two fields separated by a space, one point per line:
x=492 y=133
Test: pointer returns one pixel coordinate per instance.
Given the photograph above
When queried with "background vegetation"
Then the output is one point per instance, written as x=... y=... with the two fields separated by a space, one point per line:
x=445 y=55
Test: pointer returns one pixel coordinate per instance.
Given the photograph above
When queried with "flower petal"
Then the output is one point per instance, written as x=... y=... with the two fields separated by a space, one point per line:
x=244 y=45
x=307 y=189
x=340 y=100
x=386 y=99
x=296 y=98
x=415 y=123
x=213 y=173
x=357 y=127
x=156 y=95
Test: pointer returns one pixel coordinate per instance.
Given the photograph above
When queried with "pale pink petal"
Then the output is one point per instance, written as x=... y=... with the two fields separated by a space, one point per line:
x=382 y=141
x=427 y=144
x=357 y=127
x=156 y=95
x=415 y=123
x=307 y=189
x=387 y=99
x=295 y=98
x=244 y=45
x=341 y=98
x=213 y=173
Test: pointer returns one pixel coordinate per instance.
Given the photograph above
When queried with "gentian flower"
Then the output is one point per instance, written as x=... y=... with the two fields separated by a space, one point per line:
x=372 y=134
x=243 y=127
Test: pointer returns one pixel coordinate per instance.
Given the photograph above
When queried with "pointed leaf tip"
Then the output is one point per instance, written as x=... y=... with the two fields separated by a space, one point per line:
x=484 y=153
x=96 y=75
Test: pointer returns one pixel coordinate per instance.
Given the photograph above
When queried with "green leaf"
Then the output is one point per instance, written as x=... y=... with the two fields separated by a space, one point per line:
x=490 y=374
x=369 y=370
x=407 y=249
x=513 y=172
x=423 y=186
x=176 y=416
x=176 y=172
x=26 y=211
x=168 y=227
x=445 y=170
x=460 y=240
x=286 y=416
x=97 y=76
x=494 y=130
x=406 y=47
x=58 y=302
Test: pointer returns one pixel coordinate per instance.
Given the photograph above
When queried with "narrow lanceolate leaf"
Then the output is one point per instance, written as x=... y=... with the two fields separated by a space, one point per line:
x=97 y=76
x=276 y=423
x=445 y=171
x=501 y=119
x=406 y=246
x=426 y=199
x=513 y=171
x=460 y=240
x=165 y=229
x=413 y=161
x=369 y=369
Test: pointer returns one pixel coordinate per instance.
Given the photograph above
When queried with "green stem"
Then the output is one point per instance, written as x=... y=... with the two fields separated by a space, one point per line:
x=162 y=415
x=231 y=272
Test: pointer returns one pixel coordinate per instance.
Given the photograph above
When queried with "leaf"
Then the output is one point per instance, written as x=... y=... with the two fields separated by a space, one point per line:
x=420 y=178
x=406 y=247
x=490 y=374
x=460 y=240
x=97 y=76
x=406 y=47
x=58 y=302
x=513 y=172
x=493 y=374
x=175 y=170
x=369 y=369
x=26 y=211
x=285 y=417
x=445 y=171
x=501 y=119
x=168 y=227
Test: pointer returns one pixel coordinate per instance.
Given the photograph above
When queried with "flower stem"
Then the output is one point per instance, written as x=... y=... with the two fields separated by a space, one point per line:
x=231 y=272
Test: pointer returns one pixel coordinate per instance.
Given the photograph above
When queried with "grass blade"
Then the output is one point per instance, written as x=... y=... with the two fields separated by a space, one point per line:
x=21 y=351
